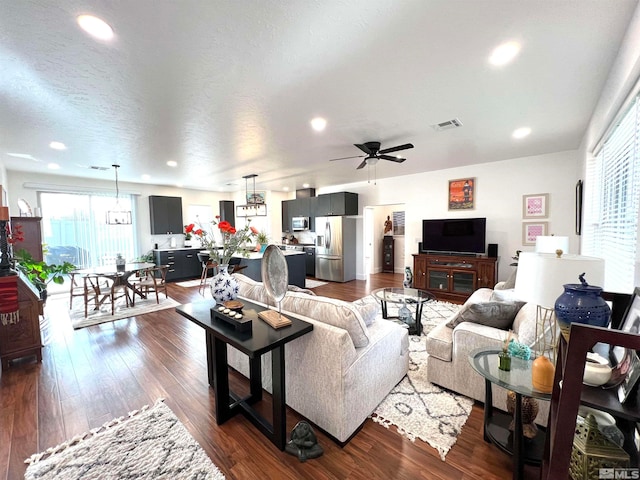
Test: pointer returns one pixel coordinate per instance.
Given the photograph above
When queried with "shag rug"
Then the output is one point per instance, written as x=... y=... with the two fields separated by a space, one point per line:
x=417 y=408
x=150 y=443
x=94 y=317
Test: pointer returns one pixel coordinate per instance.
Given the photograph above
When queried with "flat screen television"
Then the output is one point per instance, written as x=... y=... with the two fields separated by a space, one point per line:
x=459 y=235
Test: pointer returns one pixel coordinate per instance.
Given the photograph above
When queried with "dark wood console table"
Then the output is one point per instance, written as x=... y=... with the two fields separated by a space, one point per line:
x=260 y=339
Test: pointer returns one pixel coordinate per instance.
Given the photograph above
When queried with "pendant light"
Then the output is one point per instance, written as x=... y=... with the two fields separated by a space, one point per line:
x=118 y=216
x=251 y=205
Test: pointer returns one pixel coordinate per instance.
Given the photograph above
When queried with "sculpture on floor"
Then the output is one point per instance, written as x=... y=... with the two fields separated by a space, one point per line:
x=303 y=443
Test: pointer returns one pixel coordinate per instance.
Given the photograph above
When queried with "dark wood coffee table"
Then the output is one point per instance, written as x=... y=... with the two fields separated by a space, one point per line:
x=261 y=338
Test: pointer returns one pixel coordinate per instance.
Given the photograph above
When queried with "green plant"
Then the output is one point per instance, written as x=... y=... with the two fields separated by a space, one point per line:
x=41 y=273
x=146 y=258
x=262 y=237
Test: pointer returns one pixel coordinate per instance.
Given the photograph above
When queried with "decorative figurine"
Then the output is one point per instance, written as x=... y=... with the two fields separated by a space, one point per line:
x=408 y=277
x=388 y=225
x=303 y=443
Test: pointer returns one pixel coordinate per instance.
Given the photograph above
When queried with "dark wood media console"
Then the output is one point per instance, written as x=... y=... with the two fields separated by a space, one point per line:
x=453 y=277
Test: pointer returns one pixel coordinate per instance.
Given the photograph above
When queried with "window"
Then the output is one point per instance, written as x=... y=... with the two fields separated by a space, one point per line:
x=611 y=200
x=75 y=229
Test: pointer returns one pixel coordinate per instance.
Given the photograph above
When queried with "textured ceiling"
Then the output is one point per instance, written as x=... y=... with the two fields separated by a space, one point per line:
x=227 y=88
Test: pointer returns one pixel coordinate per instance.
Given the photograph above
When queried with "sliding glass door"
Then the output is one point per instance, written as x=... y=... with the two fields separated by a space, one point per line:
x=74 y=229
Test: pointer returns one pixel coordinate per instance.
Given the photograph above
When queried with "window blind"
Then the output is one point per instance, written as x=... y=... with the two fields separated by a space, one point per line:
x=612 y=193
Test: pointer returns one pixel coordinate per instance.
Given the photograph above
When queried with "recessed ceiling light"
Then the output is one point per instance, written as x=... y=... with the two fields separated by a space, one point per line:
x=146 y=177
x=58 y=146
x=318 y=124
x=53 y=166
x=172 y=163
x=286 y=189
x=521 y=132
x=504 y=53
x=95 y=27
x=305 y=185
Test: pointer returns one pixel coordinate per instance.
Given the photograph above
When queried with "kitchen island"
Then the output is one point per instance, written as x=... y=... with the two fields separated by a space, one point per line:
x=295 y=265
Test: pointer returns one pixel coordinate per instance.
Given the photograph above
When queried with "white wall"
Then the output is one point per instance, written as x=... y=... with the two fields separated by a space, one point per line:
x=499 y=190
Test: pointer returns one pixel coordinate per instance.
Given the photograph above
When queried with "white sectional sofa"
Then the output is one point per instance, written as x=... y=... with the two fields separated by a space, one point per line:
x=337 y=374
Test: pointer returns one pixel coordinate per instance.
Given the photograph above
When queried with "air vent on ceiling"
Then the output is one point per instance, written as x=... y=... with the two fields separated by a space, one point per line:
x=449 y=124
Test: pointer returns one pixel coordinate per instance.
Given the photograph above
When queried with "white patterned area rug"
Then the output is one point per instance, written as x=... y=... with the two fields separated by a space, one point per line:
x=150 y=443
x=418 y=408
x=308 y=283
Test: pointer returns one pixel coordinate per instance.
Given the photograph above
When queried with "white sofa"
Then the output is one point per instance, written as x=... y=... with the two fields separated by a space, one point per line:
x=449 y=348
x=338 y=374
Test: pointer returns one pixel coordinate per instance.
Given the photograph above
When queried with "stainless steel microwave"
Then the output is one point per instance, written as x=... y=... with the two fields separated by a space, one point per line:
x=299 y=224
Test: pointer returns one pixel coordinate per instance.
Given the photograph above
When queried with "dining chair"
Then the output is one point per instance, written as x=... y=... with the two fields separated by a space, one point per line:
x=154 y=281
x=77 y=288
x=103 y=289
x=234 y=265
x=207 y=266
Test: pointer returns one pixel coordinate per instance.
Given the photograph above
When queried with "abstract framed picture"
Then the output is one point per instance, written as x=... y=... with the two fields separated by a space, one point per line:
x=535 y=206
x=532 y=230
x=462 y=194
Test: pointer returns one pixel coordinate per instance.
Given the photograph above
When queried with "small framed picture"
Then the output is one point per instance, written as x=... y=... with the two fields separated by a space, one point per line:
x=256 y=198
x=532 y=230
x=627 y=387
x=535 y=206
x=462 y=194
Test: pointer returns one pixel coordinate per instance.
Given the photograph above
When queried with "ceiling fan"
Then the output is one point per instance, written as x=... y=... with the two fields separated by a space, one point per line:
x=373 y=153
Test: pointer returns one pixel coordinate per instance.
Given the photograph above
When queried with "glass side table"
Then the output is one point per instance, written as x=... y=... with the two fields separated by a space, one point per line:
x=496 y=423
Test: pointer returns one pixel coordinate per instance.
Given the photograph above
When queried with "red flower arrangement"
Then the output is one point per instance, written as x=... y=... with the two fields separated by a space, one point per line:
x=190 y=230
x=17 y=235
x=232 y=240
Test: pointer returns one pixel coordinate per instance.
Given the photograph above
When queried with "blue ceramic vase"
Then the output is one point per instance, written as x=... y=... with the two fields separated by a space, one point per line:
x=581 y=303
x=223 y=286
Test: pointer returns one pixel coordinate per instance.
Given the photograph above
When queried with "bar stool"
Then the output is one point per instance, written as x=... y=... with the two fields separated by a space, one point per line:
x=207 y=265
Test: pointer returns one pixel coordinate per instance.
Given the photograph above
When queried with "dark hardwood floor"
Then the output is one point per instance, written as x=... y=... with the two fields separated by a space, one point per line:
x=91 y=375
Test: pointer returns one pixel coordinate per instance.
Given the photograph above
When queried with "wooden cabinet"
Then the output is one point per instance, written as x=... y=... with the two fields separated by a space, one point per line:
x=22 y=338
x=387 y=254
x=32 y=229
x=451 y=277
x=566 y=400
x=182 y=263
x=340 y=203
x=165 y=215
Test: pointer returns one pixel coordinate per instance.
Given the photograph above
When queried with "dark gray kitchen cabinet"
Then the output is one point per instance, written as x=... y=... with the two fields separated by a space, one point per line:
x=182 y=263
x=165 y=215
x=286 y=216
x=340 y=203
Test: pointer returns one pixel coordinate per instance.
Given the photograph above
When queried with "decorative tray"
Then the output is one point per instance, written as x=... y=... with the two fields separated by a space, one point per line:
x=234 y=305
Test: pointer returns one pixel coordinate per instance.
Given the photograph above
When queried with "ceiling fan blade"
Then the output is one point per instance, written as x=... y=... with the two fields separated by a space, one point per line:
x=364 y=148
x=396 y=149
x=362 y=165
x=345 y=158
x=393 y=159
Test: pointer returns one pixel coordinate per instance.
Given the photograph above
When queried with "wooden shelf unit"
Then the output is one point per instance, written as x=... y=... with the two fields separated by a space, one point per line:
x=453 y=277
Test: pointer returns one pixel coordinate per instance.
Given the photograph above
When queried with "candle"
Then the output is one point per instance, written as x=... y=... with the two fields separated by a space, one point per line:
x=4 y=213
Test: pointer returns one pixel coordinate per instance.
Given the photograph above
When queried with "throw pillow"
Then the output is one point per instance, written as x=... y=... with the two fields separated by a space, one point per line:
x=511 y=281
x=368 y=307
x=503 y=296
x=493 y=314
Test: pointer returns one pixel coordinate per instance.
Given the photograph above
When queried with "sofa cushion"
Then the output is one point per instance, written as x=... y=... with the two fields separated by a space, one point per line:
x=525 y=325
x=295 y=288
x=368 y=308
x=493 y=314
x=440 y=342
x=331 y=311
x=249 y=288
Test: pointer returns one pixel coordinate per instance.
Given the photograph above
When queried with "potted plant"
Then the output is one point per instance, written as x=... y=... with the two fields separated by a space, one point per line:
x=262 y=239
x=40 y=274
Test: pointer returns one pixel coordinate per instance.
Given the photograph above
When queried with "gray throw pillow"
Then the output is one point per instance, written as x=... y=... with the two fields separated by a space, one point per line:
x=511 y=281
x=493 y=314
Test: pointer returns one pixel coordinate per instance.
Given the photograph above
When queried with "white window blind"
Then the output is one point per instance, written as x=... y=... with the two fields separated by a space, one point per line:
x=611 y=200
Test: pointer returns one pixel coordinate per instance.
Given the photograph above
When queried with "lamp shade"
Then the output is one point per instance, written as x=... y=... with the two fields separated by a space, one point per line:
x=541 y=276
x=551 y=243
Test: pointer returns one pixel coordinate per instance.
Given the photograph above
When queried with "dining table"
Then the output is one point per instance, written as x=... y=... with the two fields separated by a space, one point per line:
x=119 y=273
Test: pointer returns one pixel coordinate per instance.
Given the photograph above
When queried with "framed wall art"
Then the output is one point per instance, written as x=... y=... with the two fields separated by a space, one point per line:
x=462 y=194
x=257 y=198
x=531 y=230
x=535 y=206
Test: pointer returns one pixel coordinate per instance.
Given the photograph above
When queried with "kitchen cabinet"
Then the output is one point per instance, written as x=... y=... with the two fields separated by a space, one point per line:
x=286 y=216
x=340 y=203
x=165 y=215
x=32 y=230
x=182 y=263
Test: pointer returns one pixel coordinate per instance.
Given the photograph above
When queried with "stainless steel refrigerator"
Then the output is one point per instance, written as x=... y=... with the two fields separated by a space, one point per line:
x=336 y=248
